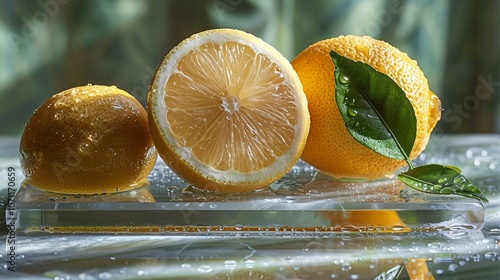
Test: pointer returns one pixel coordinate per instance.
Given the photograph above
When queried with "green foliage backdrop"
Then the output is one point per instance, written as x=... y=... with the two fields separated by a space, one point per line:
x=51 y=45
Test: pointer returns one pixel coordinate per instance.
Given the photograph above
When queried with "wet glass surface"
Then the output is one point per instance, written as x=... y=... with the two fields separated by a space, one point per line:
x=305 y=226
x=303 y=201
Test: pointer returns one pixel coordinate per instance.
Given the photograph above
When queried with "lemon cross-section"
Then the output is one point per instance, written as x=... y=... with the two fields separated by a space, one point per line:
x=228 y=111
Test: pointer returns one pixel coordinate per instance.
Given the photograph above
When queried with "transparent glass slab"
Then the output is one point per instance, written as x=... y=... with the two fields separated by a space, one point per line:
x=303 y=201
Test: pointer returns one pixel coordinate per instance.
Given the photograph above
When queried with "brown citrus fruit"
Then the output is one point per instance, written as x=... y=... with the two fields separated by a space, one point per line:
x=88 y=140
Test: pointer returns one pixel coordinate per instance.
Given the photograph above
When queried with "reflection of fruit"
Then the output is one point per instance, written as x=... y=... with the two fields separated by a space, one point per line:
x=367 y=220
x=253 y=274
x=142 y=194
x=417 y=269
x=378 y=220
x=227 y=111
x=88 y=140
x=329 y=146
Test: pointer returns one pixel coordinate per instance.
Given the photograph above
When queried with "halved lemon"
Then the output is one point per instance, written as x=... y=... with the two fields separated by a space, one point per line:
x=227 y=111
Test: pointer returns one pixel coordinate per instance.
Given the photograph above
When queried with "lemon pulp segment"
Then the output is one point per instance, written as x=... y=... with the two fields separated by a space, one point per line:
x=241 y=110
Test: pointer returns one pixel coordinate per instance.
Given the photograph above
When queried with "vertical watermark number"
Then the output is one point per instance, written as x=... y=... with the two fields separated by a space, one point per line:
x=10 y=219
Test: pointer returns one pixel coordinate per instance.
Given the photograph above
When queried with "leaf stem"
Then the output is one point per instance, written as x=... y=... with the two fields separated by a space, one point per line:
x=410 y=164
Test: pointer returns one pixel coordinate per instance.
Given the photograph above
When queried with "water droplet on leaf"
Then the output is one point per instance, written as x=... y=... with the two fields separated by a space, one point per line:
x=352 y=112
x=459 y=179
x=343 y=79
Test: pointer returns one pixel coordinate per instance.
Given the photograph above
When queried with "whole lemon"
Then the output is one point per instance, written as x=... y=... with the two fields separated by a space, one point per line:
x=88 y=140
x=329 y=146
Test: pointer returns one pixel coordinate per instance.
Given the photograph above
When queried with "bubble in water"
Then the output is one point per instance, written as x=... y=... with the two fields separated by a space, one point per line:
x=172 y=188
x=105 y=275
x=493 y=165
x=346 y=266
x=453 y=267
x=476 y=257
x=205 y=268
x=187 y=193
x=313 y=192
x=496 y=231
x=314 y=245
x=267 y=262
x=398 y=228
x=230 y=264
x=435 y=246
x=250 y=263
x=490 y=255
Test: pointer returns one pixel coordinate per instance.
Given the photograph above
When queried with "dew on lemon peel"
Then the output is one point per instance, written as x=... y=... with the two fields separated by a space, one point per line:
x=88 y=140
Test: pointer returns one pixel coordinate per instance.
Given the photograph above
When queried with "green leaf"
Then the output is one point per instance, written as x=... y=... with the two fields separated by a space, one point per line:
x=440 y=179
x=375 y=109
x=377 y=113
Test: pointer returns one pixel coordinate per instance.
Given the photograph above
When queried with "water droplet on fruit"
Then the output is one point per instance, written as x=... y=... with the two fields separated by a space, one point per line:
x=84 y=148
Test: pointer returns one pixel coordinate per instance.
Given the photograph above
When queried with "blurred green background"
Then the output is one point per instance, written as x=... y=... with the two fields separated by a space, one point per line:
x=50 y=45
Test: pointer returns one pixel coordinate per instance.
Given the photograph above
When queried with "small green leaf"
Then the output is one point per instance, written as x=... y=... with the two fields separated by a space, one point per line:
x=441 y=179
x=375 y=109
